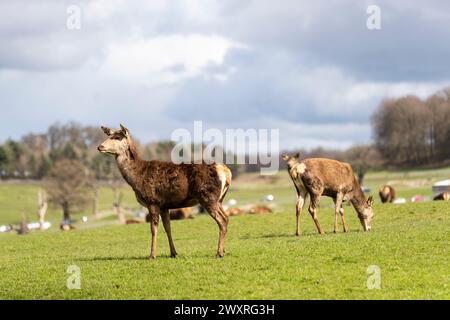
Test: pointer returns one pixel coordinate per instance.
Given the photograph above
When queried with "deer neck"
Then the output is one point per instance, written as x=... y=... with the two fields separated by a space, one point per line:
x=128 y=164
x=359 y=200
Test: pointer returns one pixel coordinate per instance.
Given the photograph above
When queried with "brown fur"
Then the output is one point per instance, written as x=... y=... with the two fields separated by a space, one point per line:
x=443 y=196
x=235 y=212
x=260 y=210
x=326 y=177
x=161 y=186
x=387 y=194
x=133 y=221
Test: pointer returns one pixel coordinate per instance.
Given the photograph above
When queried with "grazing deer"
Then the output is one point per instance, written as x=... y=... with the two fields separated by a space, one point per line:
x=387 y=194
x=161 y=186
x=330 y=178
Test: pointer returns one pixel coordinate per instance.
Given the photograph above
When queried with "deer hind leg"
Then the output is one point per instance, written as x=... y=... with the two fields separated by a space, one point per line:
x=153 y=218
x=165 y=215
x=301 y=195
x=313 y=211
x=337 y=210
x=218 y=214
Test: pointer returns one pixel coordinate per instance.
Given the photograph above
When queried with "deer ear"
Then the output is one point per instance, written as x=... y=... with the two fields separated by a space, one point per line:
x=297 y=155
x=125 y=131
x=107 y=131
x=370 y=201
x=285 y=157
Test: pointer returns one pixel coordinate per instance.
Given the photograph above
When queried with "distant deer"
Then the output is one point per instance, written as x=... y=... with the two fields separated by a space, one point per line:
x=443 y=196
x=387 y=194
x=331 y=178
x=161 y=186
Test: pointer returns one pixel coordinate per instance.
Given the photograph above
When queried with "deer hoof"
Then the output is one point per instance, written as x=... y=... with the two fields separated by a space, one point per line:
x=220 y=255
x=173 y=255
x=151 y=258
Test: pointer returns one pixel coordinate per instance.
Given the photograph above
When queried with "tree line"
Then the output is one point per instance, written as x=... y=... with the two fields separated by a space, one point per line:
x=407 y=132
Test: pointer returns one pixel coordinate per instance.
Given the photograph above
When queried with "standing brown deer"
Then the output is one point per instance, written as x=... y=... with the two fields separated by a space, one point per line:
x=387 y=194
x=331 y=178
x=161 y=186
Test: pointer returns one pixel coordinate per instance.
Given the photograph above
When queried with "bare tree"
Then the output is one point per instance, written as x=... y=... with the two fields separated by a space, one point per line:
x=43 y=206
x=363 y=158
x=116 y=186
x=401 y=129
x=69 y=185
x=439 y=130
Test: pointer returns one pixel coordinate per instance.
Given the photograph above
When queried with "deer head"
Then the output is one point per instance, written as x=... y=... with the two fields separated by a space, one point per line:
x=118 y=141
x=291 y=160
x=366 y=215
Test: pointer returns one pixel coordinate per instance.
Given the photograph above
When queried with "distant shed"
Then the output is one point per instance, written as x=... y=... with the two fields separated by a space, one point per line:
x=441 y=186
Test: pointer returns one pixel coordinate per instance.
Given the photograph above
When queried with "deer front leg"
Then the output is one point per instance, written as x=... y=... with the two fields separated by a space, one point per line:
x=300 y=203
x=313 y=211
x=166 y=222
x=154 y=222
x=337 y=209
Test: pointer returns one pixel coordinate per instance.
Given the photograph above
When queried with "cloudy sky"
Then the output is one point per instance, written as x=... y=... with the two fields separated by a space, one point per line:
x=310 y=68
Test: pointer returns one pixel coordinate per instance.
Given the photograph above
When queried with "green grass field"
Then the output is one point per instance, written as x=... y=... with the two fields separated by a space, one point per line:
x=410 y=244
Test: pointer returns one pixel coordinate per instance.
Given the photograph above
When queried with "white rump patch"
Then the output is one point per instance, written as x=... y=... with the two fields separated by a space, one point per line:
x=223 y=178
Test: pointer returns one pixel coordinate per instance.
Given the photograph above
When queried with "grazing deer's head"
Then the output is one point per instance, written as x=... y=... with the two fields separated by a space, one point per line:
x=291 y=160
x=366 y=215
x=118 y=141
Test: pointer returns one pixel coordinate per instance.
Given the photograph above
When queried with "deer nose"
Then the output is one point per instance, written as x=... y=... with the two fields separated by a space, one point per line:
x=101 y=148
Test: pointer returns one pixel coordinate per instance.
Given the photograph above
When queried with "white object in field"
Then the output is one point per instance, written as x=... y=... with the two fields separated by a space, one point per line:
x=269 y=198
x=46 y=225
x=34 y=225
x=5 y=228
x=441 y=186
x=37 y=225
x=232 y=202
x=365 y=189
x=400 y=201
x=84 y=219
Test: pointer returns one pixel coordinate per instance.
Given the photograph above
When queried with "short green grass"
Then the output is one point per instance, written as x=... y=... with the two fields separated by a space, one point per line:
x=410 y=244
x=264 y=260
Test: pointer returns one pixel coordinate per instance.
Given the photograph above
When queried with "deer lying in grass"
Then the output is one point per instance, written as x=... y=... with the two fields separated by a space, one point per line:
x=161 y=186
x=443 y=196
x=330 y=178
x=387 y=194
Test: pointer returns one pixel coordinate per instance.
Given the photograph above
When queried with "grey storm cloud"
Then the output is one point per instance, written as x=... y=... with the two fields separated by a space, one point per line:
x=305 y=67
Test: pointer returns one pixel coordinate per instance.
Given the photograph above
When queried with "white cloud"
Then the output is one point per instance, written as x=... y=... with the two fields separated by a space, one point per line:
x=335 y=94
x=166 y=59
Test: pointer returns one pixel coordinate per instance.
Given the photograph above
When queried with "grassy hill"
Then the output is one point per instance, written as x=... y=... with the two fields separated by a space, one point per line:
x=264 y=260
